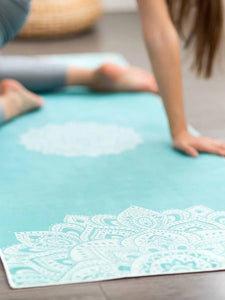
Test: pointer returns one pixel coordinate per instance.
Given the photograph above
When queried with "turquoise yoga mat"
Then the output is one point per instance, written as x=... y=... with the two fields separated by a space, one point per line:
x=91 y=189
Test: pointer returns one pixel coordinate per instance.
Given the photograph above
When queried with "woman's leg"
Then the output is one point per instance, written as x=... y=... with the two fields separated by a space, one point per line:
x=13 y=14
x=40 y=74
x=37 y=74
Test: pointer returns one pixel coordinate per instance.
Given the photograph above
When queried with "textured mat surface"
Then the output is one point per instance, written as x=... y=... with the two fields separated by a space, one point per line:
x=90 y=189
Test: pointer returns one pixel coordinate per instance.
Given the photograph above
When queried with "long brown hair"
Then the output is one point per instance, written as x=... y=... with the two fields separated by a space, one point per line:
x=205 y=31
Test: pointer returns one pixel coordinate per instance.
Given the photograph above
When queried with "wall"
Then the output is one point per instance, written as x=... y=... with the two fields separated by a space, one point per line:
x=119 y=5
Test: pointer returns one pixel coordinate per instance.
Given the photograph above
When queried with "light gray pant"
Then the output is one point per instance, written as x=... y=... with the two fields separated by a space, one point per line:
x=36 y=74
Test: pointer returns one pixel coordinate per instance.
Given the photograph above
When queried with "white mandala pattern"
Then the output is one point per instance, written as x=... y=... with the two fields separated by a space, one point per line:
x=80 y=139
x=137 y=242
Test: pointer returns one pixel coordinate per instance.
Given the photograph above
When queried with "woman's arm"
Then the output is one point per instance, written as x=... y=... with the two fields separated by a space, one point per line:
x=164 y=51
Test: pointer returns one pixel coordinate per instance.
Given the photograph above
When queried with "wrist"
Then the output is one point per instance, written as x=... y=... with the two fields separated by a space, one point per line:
x=182 y=134
x=179 y=132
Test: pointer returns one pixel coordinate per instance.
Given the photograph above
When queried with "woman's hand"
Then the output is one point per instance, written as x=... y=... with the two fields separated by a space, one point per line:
x=192 y=145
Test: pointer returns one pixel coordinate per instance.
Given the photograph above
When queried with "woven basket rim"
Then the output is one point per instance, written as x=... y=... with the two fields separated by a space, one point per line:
x=72 y=16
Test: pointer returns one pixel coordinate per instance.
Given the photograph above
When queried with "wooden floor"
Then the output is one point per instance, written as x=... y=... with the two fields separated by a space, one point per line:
x=205 y=106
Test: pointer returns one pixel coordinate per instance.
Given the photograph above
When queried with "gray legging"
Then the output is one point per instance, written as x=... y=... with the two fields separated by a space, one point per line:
x=36 y=74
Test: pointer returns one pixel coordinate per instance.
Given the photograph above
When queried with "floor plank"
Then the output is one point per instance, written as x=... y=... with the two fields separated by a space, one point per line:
x=205 y=286
x=84 y=291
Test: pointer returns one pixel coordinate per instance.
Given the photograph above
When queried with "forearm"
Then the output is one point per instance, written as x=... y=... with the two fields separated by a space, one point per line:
x=163 y=49
x=165 y=58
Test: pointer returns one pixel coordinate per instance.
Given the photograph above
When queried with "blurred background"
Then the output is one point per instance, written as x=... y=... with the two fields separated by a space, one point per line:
x=81 y=26
x=118 y=5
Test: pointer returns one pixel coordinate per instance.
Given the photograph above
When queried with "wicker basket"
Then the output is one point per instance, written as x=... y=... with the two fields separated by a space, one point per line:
x=54 y=18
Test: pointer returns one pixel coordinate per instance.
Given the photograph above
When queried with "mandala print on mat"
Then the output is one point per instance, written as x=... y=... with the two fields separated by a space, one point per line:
x=80 y=139
x=137 y=242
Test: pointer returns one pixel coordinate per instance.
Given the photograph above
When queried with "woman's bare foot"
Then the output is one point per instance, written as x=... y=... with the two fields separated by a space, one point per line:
x=16 y=100
x=111 y=77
